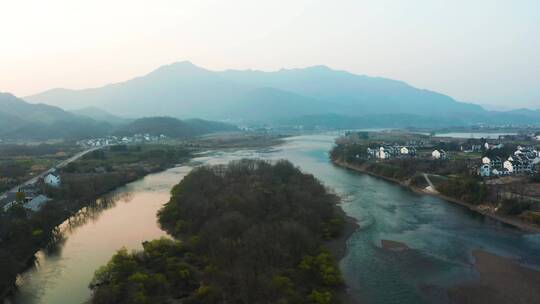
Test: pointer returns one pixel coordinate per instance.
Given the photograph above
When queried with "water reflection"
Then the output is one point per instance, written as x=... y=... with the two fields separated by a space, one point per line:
x=87 y=240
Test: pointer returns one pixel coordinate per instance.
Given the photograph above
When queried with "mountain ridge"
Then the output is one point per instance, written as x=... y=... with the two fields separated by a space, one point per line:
x=185 y=90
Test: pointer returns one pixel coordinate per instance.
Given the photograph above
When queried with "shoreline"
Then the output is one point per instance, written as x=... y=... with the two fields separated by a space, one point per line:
x=524 y=226
x=29 y=260
x=338 y=248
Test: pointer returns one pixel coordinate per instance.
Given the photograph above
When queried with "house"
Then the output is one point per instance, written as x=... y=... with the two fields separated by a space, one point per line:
x=7 y=200
x=438 y=154
x=404 y=151
x=486 y=160
x=485 y=170
x=509 y=165
x=503 y=172
x=497 y=146
x=52 y=179
x=30 y=191
x=383 y=153
x=476 y=148
x=37 y=203
x=496 y=162
x=519 y=165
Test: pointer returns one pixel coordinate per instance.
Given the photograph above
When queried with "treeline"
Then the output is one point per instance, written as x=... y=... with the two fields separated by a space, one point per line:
x=468 y=188
x=248 y=232
x=23 y=232
x=151 y=157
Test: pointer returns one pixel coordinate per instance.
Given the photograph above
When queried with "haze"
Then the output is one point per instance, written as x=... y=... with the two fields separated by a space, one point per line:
x=485 y=52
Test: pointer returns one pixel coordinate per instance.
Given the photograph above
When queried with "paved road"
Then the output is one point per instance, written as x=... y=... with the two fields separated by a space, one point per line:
x=61 y=164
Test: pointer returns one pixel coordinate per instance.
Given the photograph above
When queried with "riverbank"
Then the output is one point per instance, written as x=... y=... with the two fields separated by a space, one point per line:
x=338 y=248
x=528 y=227
x=64 y=207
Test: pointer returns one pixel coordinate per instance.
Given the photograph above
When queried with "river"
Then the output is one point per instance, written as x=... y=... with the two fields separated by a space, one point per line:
x=441 y=234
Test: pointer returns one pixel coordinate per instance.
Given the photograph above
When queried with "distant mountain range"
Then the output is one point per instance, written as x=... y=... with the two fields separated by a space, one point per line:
x=101 y=115
x=22 y=120
x=286 y=96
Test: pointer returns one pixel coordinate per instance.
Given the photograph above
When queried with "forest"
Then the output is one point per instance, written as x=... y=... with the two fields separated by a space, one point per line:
x=247 y=232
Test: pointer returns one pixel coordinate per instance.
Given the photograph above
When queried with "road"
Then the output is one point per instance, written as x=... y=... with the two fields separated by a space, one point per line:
x=61 y=164
x=431 y=186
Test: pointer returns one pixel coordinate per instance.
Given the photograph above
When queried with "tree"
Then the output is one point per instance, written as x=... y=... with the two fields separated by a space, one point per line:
x=19 y=197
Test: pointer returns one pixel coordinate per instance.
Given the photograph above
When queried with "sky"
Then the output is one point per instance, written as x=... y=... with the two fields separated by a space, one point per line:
x=481 y=51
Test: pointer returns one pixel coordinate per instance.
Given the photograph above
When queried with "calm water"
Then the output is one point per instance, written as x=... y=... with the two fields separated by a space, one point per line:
x=441 y=234
x=474 y=135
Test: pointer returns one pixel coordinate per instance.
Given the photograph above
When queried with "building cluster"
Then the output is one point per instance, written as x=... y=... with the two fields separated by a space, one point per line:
x=118 y=140
x=30 y=196
x=524 y=161
x=395 y=151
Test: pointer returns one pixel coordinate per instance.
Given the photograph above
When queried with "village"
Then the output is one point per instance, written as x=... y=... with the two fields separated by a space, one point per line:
x=498 y=176
x=505 y=156
x=117 y=140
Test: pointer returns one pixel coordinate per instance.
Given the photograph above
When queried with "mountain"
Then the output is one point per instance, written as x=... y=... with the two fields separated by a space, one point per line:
x=98 y=114
x=172 y=127
x=535 y=114
x=22 y=120
x=185 y=90
x=346 y=93
x=180 y=90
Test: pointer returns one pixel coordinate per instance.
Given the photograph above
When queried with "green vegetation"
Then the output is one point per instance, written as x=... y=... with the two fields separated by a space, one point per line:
x=121 y=157
x=172 y=127
x=249 y=232
x=22 y=120
x=467 y=188
x=20 y=162
x=23 y=232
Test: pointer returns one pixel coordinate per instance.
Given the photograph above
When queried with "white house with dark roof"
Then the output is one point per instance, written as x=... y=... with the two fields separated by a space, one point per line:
x=52 y=179
x=438 y=154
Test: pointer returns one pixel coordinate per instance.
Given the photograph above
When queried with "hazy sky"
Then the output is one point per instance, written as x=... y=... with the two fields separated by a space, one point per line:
x=483 y=51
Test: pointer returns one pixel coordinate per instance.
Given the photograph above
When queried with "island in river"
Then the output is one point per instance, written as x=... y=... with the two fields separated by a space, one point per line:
x=249 y=232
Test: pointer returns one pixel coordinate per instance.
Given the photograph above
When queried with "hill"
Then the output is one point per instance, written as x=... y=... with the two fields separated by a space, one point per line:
x=172 y=127
x=185 y=90
x=98 y=114
x=22 y=120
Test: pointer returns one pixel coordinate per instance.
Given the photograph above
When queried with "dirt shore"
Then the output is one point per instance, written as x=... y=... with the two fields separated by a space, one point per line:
x=338 y=248
x=502 y=281
x=528 y=227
